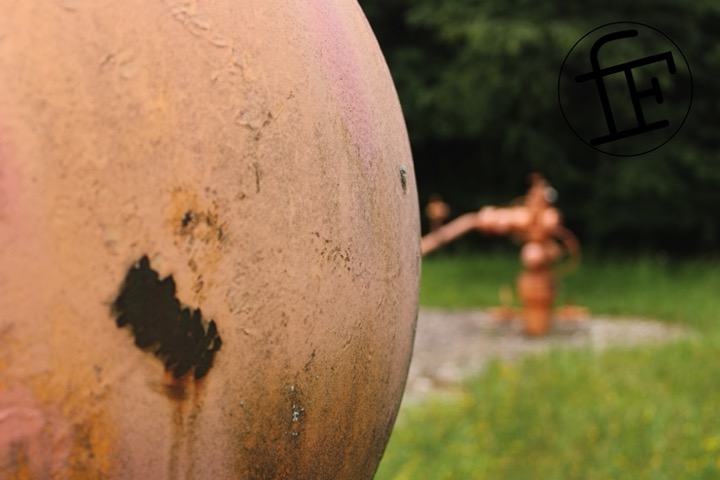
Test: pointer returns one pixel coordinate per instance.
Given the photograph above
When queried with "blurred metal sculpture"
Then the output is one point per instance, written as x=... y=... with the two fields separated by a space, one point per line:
x=538 y=225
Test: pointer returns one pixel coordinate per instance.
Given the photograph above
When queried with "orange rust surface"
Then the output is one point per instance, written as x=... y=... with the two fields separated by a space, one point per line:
x=254 y=150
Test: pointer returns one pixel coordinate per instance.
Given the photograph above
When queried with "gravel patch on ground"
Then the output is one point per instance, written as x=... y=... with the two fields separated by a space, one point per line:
x=450 y=345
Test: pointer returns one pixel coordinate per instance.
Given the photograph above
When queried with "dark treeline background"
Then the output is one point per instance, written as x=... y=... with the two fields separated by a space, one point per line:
x=477 y=80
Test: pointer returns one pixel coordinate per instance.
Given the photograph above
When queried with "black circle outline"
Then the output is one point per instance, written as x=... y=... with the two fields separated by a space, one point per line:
x=687 y=64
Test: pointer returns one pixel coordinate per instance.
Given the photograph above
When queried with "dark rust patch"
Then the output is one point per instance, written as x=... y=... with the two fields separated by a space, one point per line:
x=403 y=178
x=176 y=334
x=187 y=218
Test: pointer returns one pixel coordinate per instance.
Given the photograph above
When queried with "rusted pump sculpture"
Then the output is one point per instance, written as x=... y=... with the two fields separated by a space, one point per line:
x=538 y=225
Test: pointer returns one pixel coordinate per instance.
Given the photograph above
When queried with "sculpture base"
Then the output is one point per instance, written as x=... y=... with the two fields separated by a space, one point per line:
x=537 y=293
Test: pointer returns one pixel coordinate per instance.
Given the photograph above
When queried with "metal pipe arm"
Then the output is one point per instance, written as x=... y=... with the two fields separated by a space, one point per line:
x=448 y=232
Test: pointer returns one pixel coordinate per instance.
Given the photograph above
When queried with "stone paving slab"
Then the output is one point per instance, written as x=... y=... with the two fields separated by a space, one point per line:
x=450 y=345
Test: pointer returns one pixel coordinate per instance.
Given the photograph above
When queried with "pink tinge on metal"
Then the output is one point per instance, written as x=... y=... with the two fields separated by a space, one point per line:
x=39 y=431
x=347 y=78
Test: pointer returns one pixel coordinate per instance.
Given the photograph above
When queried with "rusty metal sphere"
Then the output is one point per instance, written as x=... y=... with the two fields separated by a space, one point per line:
x=209 y=251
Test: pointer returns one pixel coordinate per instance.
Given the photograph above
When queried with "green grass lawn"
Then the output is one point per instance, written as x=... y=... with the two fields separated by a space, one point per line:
x=650 y=412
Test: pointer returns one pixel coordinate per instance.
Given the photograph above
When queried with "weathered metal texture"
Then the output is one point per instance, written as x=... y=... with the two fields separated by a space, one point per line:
x=244 y=162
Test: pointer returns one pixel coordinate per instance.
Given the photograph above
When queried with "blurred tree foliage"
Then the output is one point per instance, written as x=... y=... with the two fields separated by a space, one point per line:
x=477 y=80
